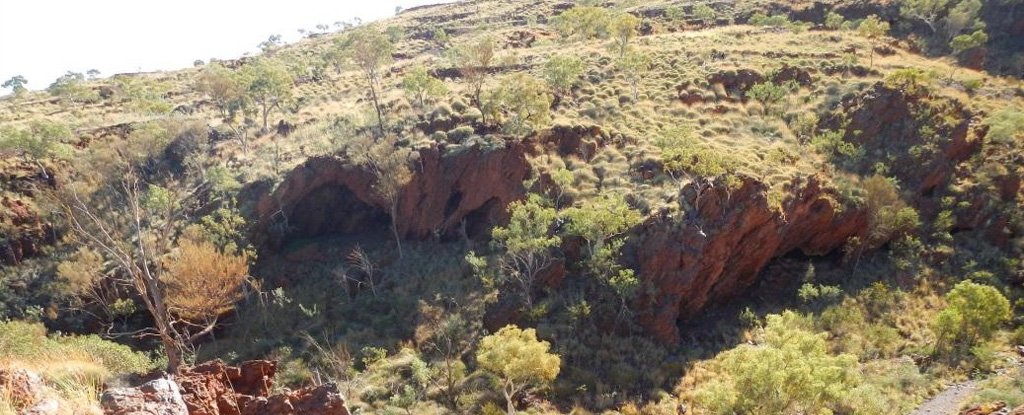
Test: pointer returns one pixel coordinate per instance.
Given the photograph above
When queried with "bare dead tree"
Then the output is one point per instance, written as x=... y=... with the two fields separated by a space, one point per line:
x=134 y=234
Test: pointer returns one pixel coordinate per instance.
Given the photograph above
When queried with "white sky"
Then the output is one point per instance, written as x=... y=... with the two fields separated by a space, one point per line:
x=43 y=39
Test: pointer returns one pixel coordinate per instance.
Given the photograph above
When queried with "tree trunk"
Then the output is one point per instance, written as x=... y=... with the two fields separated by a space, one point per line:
x=449 y=392
x=266 y=111
x=394 y=228
x=376 y=102
x=511 y=408
x=174 y=358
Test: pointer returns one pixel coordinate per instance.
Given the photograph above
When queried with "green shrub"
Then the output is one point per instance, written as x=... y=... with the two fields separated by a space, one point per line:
x=20 y=339
x=813 y=293
x=117 y=358
x=681 y=153
x=1005 y=126
x=804 y=126
x=1009 y=389
x=834 y=21
x=973 y=313
x=775 y=20
x=705 y=14
x=585 y=22
x=889 y=216
x=461 y=133
x=769 y=94
x=562 y=73
x=520 y=103
x=790 y=372
x=911 y=81
x=971 y=85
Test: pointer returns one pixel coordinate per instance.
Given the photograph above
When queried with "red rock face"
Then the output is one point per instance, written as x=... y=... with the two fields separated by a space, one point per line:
x=328 y=195
x=313 y=400
x=719 y=255
x=22 y=232
x=213 y=388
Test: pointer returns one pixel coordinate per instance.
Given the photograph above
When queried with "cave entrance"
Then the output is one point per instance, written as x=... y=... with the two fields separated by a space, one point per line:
x=477 y=223
x=334 y=210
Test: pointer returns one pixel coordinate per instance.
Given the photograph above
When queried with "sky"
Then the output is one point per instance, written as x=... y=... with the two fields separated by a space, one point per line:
x=43 y=39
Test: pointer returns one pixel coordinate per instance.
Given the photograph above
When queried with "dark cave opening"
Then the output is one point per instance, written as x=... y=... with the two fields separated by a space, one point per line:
x=719 y=327
x=452 y=204
x=480 y=221
x=335 y=210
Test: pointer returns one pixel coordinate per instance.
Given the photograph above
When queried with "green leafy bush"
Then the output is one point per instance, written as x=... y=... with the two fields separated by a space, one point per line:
x=834 y=21
x=790 y=372
x=1005 y=126
x=911 y=81
x=771 y=94
x=519 y=360
x=562 y=73
x=585 y=22
x=973 y=314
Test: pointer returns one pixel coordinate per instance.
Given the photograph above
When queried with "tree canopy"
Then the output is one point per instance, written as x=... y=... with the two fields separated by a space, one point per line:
x=268 y=84
x=973 y=312
x=519 y=360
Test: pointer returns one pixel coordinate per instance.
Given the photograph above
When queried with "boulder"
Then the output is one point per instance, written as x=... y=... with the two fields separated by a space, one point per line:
x=313 y=400
x=156 y=397
x=214 y=388
x=737 y=82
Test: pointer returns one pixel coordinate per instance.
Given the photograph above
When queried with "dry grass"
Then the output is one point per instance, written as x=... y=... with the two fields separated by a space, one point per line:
x=73 y=369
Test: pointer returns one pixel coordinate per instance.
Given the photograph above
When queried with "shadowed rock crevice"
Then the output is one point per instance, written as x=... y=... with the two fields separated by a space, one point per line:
x=335 y=210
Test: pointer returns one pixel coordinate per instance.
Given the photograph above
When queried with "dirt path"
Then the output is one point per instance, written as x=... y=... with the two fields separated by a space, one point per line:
x=948 y=401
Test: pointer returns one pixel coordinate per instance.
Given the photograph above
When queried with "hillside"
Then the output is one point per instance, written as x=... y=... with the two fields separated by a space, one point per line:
x=624 y=207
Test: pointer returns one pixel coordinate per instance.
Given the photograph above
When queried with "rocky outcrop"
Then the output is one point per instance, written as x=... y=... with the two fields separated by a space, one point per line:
x=726 y=239
x=462 y=188
x=718 y=250
x=736 y=82
x=157 y=397
x=214 y=388
x=23 y=232
x=314 y=400
x=918 y=137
